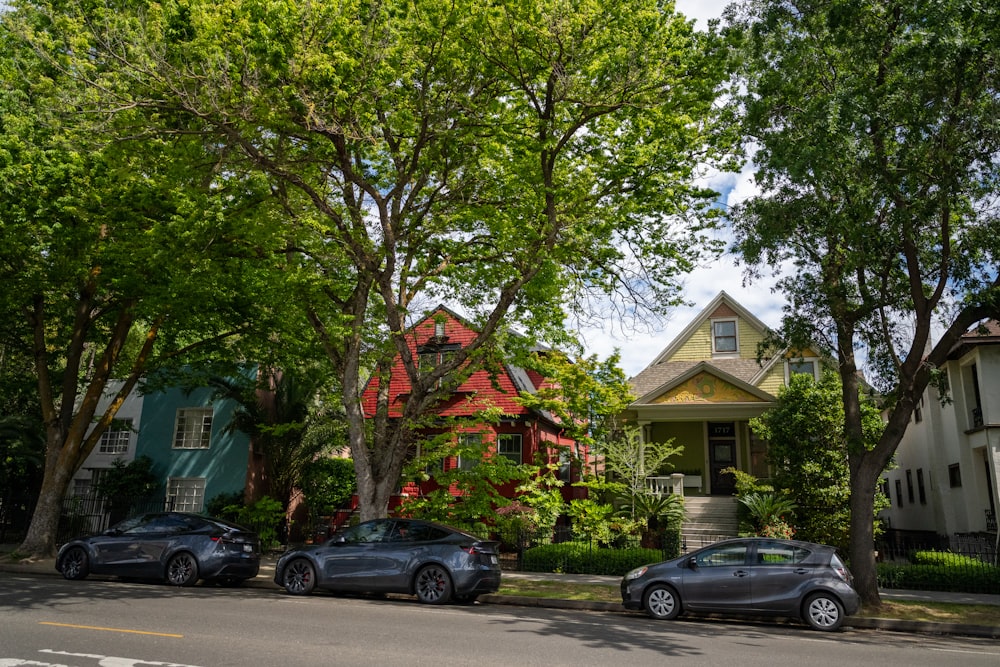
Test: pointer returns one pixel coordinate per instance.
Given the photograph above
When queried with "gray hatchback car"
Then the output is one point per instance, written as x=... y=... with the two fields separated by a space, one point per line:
x=436 y=563
x=748 y=577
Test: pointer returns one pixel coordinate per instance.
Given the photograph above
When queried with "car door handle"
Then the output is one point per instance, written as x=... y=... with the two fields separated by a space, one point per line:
x=801 y=570
x=740 y=573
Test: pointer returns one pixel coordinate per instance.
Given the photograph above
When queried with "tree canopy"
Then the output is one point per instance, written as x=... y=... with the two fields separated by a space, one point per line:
x=516 y=158
x=876 y=132
x=120 y=252
x=807 y=452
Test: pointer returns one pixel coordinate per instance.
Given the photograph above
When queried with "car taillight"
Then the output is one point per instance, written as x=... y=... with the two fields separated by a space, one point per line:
x=840 y=569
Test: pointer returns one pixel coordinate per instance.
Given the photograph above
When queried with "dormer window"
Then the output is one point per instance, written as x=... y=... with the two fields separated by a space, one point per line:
x=808 y=367
x=724 y=340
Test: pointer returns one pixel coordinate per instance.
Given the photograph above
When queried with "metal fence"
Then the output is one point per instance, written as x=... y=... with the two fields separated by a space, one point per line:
x=962 y=563
x=92 y=513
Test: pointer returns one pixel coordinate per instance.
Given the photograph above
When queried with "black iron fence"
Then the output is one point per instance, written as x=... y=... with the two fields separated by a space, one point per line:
x=961 y=563
x=90 y=514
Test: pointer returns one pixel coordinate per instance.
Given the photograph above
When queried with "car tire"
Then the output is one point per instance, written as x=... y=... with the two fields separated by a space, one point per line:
x=182 y=569
x=823 y=611
x=662 y=602
x=75 y=564
x=432 y=585
x=299 y=577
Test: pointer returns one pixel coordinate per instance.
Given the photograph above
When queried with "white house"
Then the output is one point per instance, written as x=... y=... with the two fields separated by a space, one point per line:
x=947 y=468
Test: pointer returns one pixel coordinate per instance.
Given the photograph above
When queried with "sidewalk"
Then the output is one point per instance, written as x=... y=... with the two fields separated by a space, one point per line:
x=266 y=580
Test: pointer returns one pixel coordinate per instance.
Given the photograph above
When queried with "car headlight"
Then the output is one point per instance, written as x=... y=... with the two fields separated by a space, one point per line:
x=636 y=573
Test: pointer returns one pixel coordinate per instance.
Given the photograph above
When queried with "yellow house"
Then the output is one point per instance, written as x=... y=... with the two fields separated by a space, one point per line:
x=705 y=386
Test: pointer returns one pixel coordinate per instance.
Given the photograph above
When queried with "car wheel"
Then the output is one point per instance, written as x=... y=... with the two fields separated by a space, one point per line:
x=823 y=611
x=299 y=577
x=182 y=570
x=662 y=602
x=433 y=585
x=75 y=564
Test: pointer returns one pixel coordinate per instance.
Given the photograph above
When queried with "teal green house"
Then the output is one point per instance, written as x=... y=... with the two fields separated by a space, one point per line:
x=196 y=456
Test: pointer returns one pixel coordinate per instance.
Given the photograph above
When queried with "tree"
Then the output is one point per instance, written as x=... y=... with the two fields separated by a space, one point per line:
x=586 y=396
x=277 y=411
x=807 y=451
x=119 y=251
x=517 y=158
x=877 y=151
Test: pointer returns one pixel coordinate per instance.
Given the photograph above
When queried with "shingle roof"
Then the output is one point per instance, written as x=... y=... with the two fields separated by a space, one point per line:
x=653 y=377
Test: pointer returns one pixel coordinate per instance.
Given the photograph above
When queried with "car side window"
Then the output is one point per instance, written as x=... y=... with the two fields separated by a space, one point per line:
x=160 y=524
x=370 y=531
x=779 y=553
x=422 y=532
x=402 y=532
x=728 y=554
x=128 y=526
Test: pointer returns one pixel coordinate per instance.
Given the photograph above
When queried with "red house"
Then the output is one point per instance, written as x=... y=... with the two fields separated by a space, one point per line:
x=523 y=435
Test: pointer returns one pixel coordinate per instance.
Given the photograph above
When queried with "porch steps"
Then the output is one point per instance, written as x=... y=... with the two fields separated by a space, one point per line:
x=708 y=519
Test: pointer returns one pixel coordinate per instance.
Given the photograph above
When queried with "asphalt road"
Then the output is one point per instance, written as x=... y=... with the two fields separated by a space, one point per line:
x=50 y=621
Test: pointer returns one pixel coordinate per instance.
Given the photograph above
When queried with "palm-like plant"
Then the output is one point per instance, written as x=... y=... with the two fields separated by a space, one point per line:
x=767 y=510
x=654 y=512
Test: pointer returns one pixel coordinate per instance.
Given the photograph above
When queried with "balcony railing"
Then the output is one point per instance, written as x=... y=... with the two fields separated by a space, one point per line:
x=977 y=417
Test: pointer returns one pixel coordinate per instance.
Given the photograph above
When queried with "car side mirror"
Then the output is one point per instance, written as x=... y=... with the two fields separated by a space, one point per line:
x=691 y=563
x=336 y=539
x=112 y=532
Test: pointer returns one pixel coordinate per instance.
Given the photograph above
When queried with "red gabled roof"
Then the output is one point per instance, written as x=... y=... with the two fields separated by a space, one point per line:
x=481 y=390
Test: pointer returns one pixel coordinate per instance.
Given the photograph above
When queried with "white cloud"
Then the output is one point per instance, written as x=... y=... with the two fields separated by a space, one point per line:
x=701 y=10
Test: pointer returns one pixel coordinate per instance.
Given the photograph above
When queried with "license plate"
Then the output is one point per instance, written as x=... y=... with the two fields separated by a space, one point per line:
x=493 y=559
x=248 y=548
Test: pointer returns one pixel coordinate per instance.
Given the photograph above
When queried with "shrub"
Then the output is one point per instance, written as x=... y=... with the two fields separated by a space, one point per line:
x=941 y=571
x=586 y=558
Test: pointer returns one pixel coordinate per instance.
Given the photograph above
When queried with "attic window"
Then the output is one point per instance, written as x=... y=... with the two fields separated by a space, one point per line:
x=724 y=336
x=439 y=329
x=807 y=366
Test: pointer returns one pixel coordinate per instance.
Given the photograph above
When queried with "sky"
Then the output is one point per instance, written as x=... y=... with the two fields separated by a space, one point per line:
x=638 y=349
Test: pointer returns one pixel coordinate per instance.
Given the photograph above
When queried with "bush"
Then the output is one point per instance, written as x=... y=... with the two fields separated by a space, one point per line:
x=585 y=558
x=941 y=571
x=265 y=517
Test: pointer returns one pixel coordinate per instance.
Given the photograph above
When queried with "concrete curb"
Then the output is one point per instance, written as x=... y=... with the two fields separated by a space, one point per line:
x=264 y=580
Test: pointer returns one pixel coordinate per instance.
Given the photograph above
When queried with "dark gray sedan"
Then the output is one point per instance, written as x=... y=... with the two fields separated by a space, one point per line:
x=175 y=547
x=434 y=562
x=749 y=577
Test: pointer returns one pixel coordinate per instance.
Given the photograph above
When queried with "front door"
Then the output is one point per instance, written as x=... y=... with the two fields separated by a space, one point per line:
x=722 y=455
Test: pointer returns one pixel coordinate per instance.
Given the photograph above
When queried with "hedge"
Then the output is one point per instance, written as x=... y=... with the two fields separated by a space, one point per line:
x=583 y=558
x=941 y=571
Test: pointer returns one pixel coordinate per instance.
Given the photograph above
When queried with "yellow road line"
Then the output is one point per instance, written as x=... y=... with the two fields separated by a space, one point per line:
x=94 y=627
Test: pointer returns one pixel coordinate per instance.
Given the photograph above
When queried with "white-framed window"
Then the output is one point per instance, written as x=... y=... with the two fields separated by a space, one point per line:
x=193 y=429
x=468 y=459
x=509 y=445
x=186 y=494
x=805 y=366
x=82 y=487
x=115 y=440
x=724 y=337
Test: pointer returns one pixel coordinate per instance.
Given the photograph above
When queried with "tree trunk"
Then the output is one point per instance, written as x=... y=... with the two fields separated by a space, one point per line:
x=862 y=529
x=40 y=540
